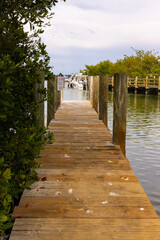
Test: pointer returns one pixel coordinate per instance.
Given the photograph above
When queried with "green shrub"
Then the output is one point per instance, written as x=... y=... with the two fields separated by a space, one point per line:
x=22 y=60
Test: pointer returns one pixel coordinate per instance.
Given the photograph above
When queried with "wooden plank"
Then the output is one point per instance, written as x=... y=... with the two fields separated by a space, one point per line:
x=95 y=201
x=85 y=212
x=133 y=186
x=105 y=189
x=86 y=189
x=51 y=224
x=55 y=148
x=102 y=173
x=86 y=229
x=87 y=235
x=62 y=175
x=83 y=155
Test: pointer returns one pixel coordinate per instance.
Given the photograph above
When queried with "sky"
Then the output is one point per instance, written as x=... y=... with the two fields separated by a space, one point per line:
x=89 y=31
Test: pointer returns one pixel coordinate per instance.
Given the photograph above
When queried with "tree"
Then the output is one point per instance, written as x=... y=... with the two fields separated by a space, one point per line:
x=23 y=59
x=141 y=65
x=102 y=68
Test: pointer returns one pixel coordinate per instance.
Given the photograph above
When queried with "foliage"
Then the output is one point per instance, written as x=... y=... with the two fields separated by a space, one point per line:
x=102 y=68
x=141 y=65
x=22 y=60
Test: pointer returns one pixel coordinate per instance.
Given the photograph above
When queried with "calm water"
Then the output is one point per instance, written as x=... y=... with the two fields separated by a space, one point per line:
x=74 y=94
x=143 y=141
x=143 y=138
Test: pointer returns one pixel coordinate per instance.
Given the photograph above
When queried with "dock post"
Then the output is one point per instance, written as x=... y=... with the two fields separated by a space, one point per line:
x=146 y=86
x=95 y=101
x=41 y=106
x=119 y=110
x=127 y=83
x=91 y=89
x=92 y=92
x=136 y=84
x=51 y=101
x=112 y=83
x=58 y=96
x=86 y=80
x=159 y=86
x=103 y=98
x=88 y=83
x=39 y=99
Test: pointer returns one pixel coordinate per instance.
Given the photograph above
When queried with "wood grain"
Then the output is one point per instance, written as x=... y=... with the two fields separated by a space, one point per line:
x=86 y=189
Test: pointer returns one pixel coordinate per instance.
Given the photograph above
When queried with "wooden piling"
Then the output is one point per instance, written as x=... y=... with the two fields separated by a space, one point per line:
x=58 y=96
x=112 y=82
x=159 y=86
x=136 y=84
x=103 y=98
x=58 y=99
x=146 y=85
x=119 y=110
x=127 y=82
x=51 y=101
x=38 y=97
x=90 y=89
x=95 y=94
x=87 y=81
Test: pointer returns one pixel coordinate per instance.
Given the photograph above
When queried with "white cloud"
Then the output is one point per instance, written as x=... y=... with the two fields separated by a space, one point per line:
x=110 y=5
x=103 y=24
x=73 y=26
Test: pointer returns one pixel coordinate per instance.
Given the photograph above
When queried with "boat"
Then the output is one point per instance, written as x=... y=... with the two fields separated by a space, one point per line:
x=77 y=84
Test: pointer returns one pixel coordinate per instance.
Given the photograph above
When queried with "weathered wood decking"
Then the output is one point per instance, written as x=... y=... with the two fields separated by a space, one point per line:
x=89 y=191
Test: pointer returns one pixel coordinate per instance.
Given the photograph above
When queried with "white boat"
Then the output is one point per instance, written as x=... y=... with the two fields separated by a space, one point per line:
x=77 y=84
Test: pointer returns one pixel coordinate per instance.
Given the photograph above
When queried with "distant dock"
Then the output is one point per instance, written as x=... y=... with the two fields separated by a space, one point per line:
x=144 y=85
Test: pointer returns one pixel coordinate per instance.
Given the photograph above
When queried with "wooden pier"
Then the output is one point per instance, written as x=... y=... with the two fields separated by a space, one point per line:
x=86 y=189
x=140 y=84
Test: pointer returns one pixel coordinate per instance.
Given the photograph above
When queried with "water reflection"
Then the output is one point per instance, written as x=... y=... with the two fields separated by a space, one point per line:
x=74 y=94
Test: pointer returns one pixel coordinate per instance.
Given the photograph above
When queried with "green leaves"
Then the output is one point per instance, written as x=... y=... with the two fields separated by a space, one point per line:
x=3 y=218
x=141 y=65
x=35 y=12
x=7 y=174
x=8 y=225
x=3 y=116
x=1 y=64
x=23 y=59
x=1 y=160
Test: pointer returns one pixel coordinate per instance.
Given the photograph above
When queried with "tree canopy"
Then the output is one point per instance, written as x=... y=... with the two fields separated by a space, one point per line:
x=141 y=65
x=24 y=63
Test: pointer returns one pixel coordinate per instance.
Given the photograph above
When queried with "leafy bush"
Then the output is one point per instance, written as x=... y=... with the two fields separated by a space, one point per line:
x=141 y=65
x=22 y=60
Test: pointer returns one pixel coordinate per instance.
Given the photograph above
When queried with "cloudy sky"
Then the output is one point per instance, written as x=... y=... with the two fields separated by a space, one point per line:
x=89 y=31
